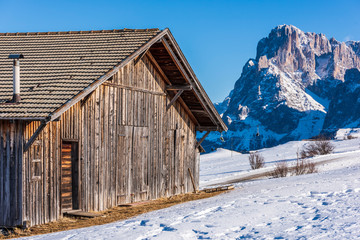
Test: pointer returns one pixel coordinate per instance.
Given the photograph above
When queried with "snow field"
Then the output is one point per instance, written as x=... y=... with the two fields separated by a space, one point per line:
x=324 y=205
x=225 y=165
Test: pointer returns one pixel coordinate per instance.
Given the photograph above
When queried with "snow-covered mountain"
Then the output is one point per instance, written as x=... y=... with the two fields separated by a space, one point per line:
x=298 y=86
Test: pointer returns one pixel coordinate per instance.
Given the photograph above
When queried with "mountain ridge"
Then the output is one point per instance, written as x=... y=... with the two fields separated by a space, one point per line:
x=299 y=85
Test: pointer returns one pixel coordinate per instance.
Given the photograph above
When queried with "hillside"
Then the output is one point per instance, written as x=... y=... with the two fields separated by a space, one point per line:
x=298 y=86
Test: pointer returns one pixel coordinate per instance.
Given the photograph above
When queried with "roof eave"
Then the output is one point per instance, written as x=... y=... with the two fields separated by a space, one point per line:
x=220 y=125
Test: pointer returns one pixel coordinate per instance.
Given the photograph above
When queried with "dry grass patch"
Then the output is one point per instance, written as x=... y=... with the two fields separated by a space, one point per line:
x=109 y=216
x=304 y=167
x=281 y=170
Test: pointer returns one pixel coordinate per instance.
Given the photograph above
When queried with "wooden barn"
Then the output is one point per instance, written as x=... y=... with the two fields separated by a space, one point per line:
x=93 y=119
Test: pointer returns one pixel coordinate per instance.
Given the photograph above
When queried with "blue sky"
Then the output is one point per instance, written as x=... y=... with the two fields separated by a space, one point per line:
x=217 y=37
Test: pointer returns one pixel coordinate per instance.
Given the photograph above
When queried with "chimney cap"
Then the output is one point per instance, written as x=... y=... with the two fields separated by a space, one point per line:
x=16 y=56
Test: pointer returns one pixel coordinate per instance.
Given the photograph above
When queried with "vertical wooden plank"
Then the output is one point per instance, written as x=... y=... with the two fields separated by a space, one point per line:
x=15 y=176
x=6 y=214
x=19 y=152
x=52 y=149
x=12 y=175
x=25 y=169
x=93 y=147
x=105 y=159
x=102 y=153
x=112 y=144
x=57 y=167
x=45 y=170
x=160 y=140
x=79 y=136
x=84 y=157
x=151 y=148
x=97 y=147
x=118 y=153
x=2 y=175
x=124 y=107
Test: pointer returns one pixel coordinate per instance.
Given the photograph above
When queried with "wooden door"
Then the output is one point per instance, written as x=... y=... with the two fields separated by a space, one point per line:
x=170 y=163
x=124 y=175
x=69 y=176
x=140 y=163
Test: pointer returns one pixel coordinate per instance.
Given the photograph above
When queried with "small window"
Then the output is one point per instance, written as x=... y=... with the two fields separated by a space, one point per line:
x=36 y=161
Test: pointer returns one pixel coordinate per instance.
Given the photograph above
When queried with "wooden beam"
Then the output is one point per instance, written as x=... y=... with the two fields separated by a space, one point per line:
x=192 y=180
x=198 y=111
x=141 y=56
x=179 y=87
x=207 y=128
x=163 y=75
x=35 y=135
x=202 y=139
x=201 y=149
x=134 y=89
x=174 y=99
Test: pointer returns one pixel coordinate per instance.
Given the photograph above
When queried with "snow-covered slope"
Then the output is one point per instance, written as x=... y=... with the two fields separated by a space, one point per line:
x=298 y=86
x=224 y=165
x=324 y=205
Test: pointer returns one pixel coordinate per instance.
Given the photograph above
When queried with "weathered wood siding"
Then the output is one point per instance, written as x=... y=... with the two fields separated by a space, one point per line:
x=130 y=147
x=41 y=174
x=11 y=140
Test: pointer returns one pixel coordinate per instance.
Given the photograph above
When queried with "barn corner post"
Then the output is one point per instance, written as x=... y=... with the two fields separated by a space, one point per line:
x=11 y=169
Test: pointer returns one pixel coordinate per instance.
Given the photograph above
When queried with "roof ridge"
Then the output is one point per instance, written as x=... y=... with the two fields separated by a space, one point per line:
x=79 y=32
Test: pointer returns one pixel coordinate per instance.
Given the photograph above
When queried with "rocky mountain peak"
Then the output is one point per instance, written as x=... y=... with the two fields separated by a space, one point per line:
x=292 y=50
x=285 y=92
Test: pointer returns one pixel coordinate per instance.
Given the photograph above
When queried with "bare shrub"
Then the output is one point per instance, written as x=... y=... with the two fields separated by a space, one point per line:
x=281 y=170
x=349 y=137
x=256 y=160
x=317 y=147
x=300 y=167
x=304 y=167
x=311 y=168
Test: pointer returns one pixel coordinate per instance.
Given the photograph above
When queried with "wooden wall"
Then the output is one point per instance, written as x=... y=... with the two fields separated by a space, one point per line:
x=41 y=173
x=130 y=148
x=11 y=140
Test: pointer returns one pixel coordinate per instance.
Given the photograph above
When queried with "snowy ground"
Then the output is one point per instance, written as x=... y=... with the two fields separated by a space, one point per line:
x=324 y=205
x=224 y=165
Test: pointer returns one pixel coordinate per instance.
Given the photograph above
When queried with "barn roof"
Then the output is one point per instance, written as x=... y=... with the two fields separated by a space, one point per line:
x=61 y=68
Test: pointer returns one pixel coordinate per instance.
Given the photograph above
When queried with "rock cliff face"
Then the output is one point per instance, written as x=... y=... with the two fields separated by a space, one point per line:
x=298 y=86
